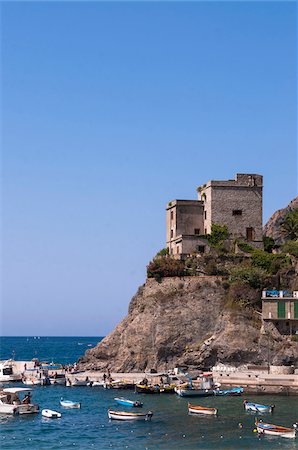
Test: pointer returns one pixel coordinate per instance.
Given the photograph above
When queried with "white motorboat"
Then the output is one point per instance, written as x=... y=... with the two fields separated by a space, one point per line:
x=32 y=381
x=69 y=404
x=191 y=392
x=77 y=382
x=50 y=414
x=124 y=415
x=8 y=373
x=10 y=402
x=57 y=379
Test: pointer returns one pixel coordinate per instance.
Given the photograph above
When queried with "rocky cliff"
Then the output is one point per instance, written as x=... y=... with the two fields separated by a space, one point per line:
x=273 y=226
x=184 y=322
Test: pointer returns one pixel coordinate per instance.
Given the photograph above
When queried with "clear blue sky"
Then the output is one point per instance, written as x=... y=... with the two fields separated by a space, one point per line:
x=109 y=111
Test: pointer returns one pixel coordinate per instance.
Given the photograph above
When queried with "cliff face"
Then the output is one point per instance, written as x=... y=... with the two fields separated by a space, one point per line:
x=184 y=322
x=273 y=226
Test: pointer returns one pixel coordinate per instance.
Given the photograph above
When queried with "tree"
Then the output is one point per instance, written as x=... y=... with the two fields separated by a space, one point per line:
x=290 y=225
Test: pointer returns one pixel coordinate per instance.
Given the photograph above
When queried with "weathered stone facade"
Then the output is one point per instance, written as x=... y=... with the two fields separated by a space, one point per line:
x=235 y=203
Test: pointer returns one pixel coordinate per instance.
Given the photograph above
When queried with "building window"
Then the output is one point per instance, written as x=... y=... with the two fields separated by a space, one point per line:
x=178 y=250
x=172 y=215
x=237 y=212
x=205 y=214
x=205 y=230
x=172 y=233
x=197 y=230
x=250 y=234
x=201 y=248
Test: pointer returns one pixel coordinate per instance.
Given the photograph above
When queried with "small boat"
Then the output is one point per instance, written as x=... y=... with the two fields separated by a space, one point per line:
x=232 y=392
x=10 y=402
x=69 y=404
x=201 y=410
x=77 y=382
x=124 y=415
x=255 y=407
x=191 y=392
x=8 y=373
x=50 y=414
x=125 y=402
x=275 y=430
x=144 y=389
x=32 y=381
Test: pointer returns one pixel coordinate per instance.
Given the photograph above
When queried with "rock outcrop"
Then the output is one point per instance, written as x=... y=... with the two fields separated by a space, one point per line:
x=184 y=322
x=273 y=226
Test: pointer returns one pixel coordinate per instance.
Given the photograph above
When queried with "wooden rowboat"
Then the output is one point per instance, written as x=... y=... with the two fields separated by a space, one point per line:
x=124 y=415
x=126 y=402
x=257 y=408
x=192 y=409
x=275 y=430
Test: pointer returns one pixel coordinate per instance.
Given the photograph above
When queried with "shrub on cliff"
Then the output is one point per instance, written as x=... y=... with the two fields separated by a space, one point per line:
x=269 y=262
x=254 y=277
x=291 y=247
x=159 y=268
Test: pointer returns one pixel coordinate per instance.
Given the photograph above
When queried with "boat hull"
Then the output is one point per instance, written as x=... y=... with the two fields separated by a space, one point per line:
x=192 y=409
x=193 y=392
x=9 y=409
x=50 y=414
x=69 y=404
x=256 y=408
x=125 y=402
x=277 y=431
x=229 y=392
x=121 y=415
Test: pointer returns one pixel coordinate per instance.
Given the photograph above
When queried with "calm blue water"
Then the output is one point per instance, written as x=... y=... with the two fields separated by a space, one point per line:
x=171 y=426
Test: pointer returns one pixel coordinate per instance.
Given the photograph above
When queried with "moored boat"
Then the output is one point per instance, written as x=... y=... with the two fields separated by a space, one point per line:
x=50 y=414
x=77 y=382
x=191 y=392
x=256 y=407
x=201 y=410
x=8 y=373
x=69 y=404
x=126 y=402
x=10 y=402
x=275 y=430
x=124 y=415
x=144 y=389
x=229 y=392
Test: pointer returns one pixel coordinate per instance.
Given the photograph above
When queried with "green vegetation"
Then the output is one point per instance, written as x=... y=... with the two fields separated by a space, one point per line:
x=290 y=225
x=245 y=247
x=268 y=244
x=219 y=234
x=166 y=266
x=291 y=247
x=269 y=262
x=254 y=277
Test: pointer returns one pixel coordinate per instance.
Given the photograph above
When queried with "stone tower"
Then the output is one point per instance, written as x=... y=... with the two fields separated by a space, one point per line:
x=237 y=204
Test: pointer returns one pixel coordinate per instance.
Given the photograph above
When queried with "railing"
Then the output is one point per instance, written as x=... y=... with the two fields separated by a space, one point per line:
x=279 y=294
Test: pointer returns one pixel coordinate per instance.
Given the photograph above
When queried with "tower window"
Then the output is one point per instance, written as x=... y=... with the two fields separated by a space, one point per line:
x=172 y=233
x=205 y=214
x=172 y=215
x=197 y=230
x=237 y=212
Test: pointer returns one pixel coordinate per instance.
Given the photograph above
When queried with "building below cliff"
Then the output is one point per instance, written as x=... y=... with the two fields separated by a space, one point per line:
x=234 y=203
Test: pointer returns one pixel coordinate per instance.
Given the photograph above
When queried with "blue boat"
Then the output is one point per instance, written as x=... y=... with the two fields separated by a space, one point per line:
x=257 y=408
x=233 y=392
x=125 y=402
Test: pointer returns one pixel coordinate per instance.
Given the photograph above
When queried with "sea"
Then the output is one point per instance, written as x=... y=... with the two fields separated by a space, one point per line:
x=171 y=427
